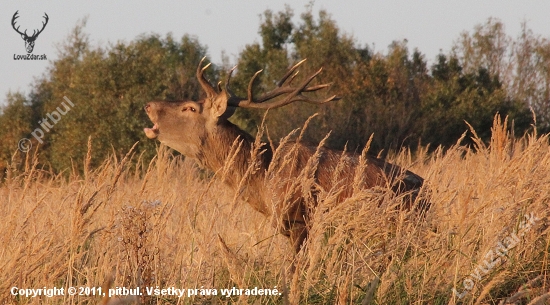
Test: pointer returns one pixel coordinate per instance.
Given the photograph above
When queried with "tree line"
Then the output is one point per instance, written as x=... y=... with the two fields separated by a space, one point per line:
x=394 y=95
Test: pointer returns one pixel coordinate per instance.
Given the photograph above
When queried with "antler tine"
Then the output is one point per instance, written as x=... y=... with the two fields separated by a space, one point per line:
x=15 y=16
x=249 y=91
x=205 y=84
x=290 y=72
x=302 y=98
x=292 y=77
x=290 y=99
x=229 y=76
x=231 y=99
x=317 y=87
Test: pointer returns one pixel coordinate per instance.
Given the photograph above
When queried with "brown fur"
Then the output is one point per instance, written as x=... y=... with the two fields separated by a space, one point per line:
x=200 y=130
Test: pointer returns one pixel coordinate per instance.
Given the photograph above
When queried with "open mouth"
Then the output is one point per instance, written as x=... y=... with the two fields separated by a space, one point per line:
x=152 y=133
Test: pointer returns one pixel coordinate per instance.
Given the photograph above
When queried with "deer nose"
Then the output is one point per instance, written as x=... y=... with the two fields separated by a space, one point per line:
x=147 y=106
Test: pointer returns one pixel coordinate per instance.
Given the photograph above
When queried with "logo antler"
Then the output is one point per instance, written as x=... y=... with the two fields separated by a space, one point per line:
x=29 y=40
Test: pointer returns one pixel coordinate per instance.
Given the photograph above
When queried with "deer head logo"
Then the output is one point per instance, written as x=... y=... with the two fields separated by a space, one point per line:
x=29 y=40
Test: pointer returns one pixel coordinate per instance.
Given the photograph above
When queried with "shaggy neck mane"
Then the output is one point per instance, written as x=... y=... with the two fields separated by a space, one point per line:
x=218 y=147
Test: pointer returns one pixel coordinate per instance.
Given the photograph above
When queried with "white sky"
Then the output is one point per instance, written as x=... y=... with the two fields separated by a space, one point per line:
x=429 y=25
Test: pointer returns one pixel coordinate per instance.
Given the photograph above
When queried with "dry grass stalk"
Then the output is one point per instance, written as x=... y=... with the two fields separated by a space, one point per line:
x=71 y=232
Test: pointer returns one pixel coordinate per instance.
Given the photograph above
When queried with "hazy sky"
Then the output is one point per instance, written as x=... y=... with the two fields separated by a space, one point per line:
x=429 y=25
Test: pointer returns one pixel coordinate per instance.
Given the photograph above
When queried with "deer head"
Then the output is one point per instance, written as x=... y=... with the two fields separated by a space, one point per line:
x=185 y=125
x=29 y=40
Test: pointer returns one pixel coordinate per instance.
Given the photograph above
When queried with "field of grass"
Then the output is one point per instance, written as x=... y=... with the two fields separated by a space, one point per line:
x=168 y=224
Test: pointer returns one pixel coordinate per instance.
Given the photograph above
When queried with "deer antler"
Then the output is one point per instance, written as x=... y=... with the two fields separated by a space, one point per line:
x=13 y=24
x=205 y=84
x=34 y=33
x=294 y=93
x=43 y=26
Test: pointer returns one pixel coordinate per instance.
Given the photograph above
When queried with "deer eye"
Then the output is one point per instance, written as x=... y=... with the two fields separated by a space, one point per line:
x=189 y=108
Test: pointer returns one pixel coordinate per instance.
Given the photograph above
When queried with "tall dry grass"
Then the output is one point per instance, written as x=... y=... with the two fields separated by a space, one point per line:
x=169 y=224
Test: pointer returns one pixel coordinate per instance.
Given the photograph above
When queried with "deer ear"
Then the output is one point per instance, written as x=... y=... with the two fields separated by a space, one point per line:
x=219 y=105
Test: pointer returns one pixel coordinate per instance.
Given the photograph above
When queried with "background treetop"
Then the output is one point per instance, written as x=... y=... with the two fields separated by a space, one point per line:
x=395 y=95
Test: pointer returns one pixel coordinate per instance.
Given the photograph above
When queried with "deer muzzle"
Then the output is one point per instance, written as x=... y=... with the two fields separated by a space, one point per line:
x=151 y=133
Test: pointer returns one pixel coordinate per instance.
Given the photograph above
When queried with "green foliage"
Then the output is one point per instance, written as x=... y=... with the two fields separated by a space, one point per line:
x=393 y=95
x=457 y=97
x=15 y=123
x=109 y=87
x=520 y=64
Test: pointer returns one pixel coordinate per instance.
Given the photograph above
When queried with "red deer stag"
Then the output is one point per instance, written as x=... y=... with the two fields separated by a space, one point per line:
x=201 y=130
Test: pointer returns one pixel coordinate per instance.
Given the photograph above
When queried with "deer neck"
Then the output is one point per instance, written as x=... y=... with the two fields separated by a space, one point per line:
x=218 y=148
